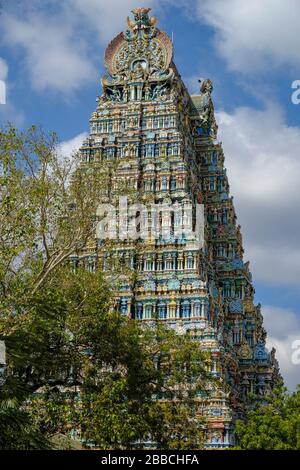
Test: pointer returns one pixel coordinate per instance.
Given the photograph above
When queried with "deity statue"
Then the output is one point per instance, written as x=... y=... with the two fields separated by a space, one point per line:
x=138 y=72
x=131 y=124
x=125 y=94
x=115 y=94
x=101 y=99
x=206 y=86
x=148 y=94
x=159 y=91
x=129 y=151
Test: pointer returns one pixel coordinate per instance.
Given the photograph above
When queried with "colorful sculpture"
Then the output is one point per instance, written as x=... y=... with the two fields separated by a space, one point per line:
x=161 y=143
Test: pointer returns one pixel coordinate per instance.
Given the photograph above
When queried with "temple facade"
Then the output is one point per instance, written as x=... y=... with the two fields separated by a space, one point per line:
x=179 y=237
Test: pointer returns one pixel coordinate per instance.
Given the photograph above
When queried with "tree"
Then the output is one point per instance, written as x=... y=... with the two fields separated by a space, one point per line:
x=137 y=383
x=87 y=368
x=273 y=425
x=73 y=362
x=152 y=396
x=47 y=209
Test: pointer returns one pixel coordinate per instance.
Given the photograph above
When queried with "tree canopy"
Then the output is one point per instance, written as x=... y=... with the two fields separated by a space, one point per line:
x=75 y=365
x=272 y=425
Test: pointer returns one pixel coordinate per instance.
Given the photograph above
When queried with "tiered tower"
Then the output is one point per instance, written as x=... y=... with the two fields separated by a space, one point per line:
x=159 y=147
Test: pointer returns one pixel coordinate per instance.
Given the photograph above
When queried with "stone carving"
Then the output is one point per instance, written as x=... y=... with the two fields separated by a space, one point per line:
x=153 y=135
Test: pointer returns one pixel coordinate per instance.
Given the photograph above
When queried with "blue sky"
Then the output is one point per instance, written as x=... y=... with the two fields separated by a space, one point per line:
x=51 y=60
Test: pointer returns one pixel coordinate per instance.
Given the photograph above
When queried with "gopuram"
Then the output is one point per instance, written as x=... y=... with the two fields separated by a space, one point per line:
x=179 y=235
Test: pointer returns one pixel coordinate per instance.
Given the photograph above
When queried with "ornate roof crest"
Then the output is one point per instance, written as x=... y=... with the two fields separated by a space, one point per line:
x=141 y=19
x=142 y=52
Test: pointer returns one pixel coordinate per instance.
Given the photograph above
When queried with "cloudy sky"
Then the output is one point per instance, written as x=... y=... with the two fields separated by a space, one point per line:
x=51 y=60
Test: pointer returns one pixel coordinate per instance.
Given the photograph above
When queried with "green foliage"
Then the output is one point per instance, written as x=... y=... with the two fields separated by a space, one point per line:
x=274 y=425
x=47 y=211
x=136 y=382
x=17 y=429
x=73 y=362
x=150 y=395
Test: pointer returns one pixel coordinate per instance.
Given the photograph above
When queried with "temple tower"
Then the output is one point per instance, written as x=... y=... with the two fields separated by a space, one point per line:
x=174 y=227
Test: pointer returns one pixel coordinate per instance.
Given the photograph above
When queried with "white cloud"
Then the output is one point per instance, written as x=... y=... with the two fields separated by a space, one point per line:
x=263 y=165
x=62 y=42
x=280 y=321
x=53 y=57
x=262 y=158
x=68 y=147
x=279 y=265
x=10 y=113
x=283 y=327
x=253 y=34
x=268 y=152
x=108 y=18
x=66 y=150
